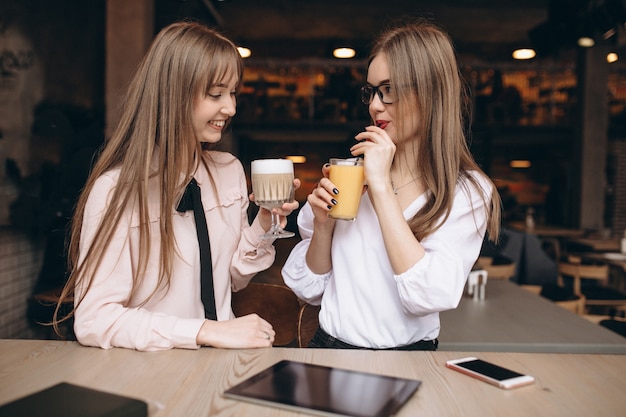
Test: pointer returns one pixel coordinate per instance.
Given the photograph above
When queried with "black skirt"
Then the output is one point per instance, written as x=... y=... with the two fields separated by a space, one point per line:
x=323 y=340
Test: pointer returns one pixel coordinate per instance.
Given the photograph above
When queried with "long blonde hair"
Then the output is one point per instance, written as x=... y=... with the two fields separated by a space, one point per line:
x=154 y=139
x=422 y=63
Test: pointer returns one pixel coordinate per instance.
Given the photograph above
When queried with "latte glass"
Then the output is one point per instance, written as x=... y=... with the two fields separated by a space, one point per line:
x=272 y=185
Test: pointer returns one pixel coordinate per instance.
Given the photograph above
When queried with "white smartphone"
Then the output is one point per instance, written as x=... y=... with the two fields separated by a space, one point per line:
x=490 y=373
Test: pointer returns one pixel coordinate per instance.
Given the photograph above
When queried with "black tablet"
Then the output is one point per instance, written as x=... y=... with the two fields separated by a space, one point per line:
x=325 y=391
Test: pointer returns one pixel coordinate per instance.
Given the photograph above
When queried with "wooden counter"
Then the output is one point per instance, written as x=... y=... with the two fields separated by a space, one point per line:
x=190 y=383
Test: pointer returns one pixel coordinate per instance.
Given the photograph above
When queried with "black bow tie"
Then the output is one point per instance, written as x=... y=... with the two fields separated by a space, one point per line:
x=186 y=202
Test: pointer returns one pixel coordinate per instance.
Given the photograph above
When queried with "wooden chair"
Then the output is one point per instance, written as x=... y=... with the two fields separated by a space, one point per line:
x=552 y=247
x=275 y=303
x=483 y=261
x=615 y=324
x=500 y=271
x=564 y=297
x=495 y=270
x=308 y=322
x=598 y=294
x=535 y=289
x=576 y=306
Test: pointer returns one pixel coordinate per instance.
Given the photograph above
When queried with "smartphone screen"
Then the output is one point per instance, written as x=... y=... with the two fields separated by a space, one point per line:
x=489 y=369
x=490 y=373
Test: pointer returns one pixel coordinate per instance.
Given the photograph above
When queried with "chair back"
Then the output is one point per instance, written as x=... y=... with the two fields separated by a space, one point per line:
x=308 y=322
x=580 y=271
x=535 y=289
x=500 y=271
x=275 y=303
x=497 y=268
x=564 y=297
x=575 y=306
x=483 y=261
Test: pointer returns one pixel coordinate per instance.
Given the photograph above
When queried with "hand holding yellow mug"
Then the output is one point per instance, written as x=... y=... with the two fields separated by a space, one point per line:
x=348 y=176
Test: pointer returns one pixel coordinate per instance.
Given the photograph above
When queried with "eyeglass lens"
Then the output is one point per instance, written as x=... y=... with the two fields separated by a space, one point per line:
x=384 y=91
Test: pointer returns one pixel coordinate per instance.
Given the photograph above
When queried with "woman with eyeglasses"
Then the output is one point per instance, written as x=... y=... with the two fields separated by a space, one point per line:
x=383 y=279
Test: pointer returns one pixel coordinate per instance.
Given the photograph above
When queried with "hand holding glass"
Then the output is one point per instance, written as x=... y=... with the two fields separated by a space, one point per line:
x=272 y=185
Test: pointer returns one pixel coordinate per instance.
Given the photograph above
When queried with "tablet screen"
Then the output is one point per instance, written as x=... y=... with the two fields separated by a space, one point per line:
x=325 y=391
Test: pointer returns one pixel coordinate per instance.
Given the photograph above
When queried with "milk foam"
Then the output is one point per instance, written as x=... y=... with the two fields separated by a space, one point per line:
x=272 y=166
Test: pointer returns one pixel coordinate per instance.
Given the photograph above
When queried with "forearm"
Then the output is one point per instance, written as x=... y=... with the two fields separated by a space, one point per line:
x=318 y=256
x=249 y=331
x=113 y=325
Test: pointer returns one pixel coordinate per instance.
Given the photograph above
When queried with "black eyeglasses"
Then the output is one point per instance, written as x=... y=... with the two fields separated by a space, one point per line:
x=385 y=93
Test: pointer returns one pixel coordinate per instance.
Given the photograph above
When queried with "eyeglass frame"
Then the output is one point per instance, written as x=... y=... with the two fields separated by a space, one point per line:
x=370 y=90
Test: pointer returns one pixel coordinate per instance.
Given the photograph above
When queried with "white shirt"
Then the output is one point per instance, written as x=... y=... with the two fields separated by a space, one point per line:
x=362 y=301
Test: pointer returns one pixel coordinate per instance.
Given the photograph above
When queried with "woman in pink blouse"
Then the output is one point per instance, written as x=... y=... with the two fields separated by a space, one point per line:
x=135 y=259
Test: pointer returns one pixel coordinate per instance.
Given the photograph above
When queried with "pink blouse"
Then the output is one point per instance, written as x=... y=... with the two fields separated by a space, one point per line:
x=109 y=317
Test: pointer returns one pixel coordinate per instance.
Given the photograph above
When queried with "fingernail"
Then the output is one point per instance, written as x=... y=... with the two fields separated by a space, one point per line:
x=329 y=207
x=335 y=191
x=334 y=202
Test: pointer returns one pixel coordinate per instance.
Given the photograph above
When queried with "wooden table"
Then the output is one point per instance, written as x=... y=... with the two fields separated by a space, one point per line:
x=190 y=383
x=511 y=319
x=599 y=245
x=546 y=230
x=611 y=258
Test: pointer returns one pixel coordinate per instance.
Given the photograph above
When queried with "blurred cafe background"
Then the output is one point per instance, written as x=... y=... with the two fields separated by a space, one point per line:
x=549 y=129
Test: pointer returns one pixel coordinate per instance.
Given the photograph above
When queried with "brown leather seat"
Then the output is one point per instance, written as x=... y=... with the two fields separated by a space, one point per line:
x=51 y=297
x=275 y=303
x=308 y=322
x=41 y=312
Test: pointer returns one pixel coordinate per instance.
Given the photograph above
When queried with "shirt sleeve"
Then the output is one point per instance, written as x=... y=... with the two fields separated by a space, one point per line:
x=103 y=317
x=437 y=281
x=253 y=254
x=307 y=285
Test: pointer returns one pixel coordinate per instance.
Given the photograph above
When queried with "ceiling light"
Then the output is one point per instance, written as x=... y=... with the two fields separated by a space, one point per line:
x=586 y=42
x=611 y=57
x=344 y=53
x=297 y=159
x=520 y=163
x=244 y=52
x=524 y=53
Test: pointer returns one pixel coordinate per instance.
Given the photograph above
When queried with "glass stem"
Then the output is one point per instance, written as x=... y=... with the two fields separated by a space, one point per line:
x=275 y=223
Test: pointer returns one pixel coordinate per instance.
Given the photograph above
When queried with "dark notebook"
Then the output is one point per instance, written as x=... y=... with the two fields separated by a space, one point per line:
x=68 y=400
